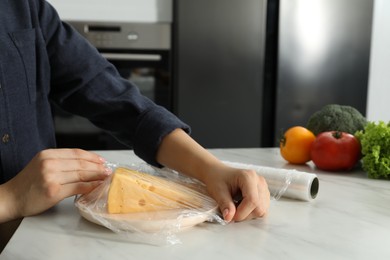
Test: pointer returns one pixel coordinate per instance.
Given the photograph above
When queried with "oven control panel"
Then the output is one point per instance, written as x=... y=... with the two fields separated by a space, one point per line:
x=153 y=36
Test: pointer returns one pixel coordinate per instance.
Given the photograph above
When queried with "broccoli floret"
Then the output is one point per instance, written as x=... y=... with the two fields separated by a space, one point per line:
x=334 y=117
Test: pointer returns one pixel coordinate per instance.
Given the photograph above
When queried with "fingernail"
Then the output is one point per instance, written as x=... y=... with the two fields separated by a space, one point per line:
x=225 y=213
x=102 y=159
x=108 y=171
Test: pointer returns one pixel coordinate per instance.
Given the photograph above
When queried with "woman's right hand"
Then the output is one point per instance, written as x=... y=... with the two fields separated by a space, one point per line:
x=51 y=176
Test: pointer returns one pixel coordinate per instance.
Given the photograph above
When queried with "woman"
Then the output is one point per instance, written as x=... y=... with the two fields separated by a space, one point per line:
x=43 y=61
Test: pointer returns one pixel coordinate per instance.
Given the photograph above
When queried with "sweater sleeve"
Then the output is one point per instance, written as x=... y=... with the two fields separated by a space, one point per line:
x=86 y=84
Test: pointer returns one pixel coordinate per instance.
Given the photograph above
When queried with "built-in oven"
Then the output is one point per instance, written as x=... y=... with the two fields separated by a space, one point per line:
x=141 y=52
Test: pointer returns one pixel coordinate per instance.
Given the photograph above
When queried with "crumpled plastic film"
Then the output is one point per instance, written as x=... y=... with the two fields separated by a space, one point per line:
x=161 y=202
x=289 y=183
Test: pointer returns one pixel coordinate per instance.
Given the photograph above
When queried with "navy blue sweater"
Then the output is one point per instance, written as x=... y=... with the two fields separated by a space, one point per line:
x=43 y=61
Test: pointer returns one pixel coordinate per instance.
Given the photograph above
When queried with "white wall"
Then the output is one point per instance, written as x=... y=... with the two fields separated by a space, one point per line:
x=378 y=102
x=144 y=11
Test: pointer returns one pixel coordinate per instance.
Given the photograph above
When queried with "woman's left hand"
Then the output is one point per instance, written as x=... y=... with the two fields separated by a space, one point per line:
x=231 y=186
x=180 y=152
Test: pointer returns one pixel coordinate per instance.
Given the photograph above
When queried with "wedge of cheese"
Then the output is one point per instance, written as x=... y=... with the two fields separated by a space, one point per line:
x=133 y=191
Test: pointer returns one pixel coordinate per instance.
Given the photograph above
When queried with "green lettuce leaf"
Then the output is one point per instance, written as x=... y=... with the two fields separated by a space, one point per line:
x=375 y=142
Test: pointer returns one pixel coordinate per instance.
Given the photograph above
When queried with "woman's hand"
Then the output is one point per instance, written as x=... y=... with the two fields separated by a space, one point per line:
x=180 y=152
x=51 y=176
x=240 y=194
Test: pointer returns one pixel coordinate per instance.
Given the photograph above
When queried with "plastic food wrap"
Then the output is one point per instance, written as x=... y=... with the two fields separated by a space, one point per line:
x=287 y=183
x=147 y=204
x=152 y=205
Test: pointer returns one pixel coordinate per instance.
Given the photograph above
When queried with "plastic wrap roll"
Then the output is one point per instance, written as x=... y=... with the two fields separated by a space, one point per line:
x=287 y=183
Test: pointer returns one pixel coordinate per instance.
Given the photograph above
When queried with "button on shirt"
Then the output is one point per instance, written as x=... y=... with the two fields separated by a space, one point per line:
x=5 y=138
x=44 y=61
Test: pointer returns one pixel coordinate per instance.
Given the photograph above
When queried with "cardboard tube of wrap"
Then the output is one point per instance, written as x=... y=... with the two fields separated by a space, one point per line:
x=287 y=183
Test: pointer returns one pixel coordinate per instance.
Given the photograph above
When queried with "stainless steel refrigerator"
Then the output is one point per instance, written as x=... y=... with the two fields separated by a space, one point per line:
x=323 y=57
x=244 y=71
x=218 y=73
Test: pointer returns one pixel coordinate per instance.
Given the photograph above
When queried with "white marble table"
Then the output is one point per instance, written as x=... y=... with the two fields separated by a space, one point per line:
x=349 y=219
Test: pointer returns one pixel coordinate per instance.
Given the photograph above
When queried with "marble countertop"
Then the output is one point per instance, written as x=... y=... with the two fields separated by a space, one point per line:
x=349 y=219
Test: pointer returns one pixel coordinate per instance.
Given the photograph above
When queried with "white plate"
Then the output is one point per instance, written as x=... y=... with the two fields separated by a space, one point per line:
x=149 y=222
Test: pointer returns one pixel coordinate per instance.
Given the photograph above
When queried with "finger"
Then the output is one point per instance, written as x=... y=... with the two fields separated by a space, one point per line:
x=76 y=154
x=79 y=165
x=83 y=176
x=80 y=171
x=225 y=202
x=246 y=207
x=78 y=188
x=250 y=197
x=256 y=204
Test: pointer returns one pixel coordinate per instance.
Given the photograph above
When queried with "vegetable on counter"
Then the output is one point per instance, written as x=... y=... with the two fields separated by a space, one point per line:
x=335 y=151
x=334 y=117
x=375 y=142
x=295 y=145
x=336 y=138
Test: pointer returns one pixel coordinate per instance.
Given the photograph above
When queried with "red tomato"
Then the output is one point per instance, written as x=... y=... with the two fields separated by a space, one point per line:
x=334 y=150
